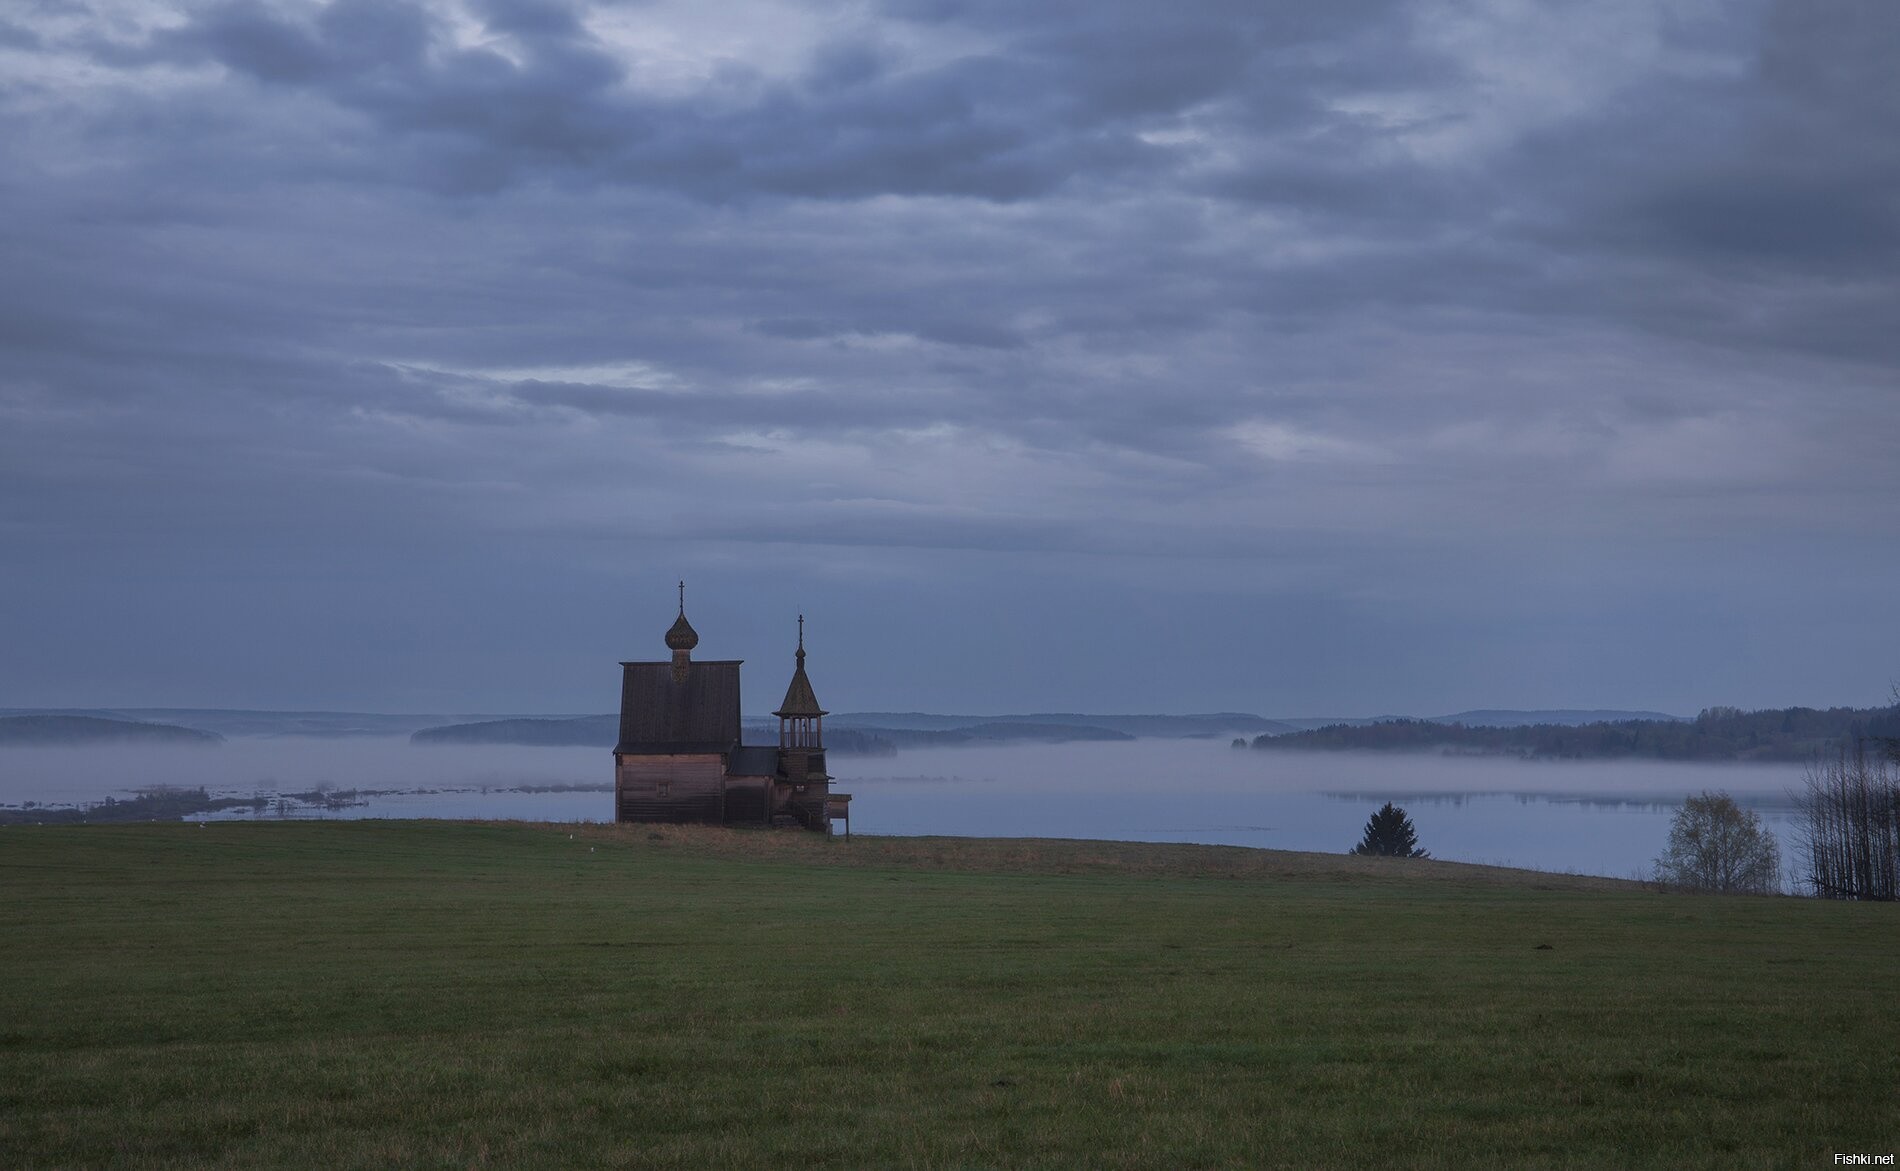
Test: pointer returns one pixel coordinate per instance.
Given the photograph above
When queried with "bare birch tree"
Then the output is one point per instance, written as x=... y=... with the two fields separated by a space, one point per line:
x=1851 y=826
x=1717 y=846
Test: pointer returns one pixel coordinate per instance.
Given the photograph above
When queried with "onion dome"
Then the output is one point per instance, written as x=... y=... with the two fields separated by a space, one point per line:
x=681 y=636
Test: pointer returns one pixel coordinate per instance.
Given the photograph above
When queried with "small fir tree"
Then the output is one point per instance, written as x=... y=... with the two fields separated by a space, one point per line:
x=1389 y=832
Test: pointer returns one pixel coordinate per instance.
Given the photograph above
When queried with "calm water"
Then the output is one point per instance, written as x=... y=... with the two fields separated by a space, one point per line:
x=1590 y=817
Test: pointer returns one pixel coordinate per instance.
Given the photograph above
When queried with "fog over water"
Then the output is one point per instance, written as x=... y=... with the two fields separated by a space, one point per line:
x=1595 y=817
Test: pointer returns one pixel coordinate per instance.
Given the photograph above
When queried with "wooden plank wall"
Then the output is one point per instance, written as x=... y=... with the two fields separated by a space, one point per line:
x=811 y=807
x=746 y=799
x=672 y=788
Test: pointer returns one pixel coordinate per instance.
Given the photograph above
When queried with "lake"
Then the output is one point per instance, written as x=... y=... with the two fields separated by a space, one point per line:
x=1591 y=817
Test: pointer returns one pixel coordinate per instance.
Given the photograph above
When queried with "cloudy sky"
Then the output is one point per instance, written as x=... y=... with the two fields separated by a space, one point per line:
x=1253 y=355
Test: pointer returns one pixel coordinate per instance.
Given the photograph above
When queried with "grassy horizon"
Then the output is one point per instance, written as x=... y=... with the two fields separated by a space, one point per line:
x=452 y=994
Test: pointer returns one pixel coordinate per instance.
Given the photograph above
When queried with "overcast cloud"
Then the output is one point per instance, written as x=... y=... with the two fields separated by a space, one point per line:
x=1266 y=356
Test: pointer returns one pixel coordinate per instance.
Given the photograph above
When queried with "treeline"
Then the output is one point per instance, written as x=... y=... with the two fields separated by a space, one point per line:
x=64 y=730
x=580 y=732
x=854 y=742
x=1719 y=733
x=994 y=732
x=1851 y=823
x=601 y=732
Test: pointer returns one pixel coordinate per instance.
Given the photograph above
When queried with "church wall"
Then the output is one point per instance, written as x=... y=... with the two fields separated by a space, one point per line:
x=671 y=788
x=812 y=805
x=809 y=807
x=747 y=799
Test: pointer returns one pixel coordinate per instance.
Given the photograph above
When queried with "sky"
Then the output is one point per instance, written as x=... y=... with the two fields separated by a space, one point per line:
x=1261 y=356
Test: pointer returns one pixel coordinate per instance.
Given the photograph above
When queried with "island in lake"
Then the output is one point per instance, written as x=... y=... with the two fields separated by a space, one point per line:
x=879 y=733
x=1719 y=733
x=40 y=730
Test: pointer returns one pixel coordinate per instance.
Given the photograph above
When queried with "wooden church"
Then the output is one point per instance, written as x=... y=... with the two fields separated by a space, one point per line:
x=681 y=756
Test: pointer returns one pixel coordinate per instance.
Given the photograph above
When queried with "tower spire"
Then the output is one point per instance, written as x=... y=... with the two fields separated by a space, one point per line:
x=800 y=703
x=682 y=598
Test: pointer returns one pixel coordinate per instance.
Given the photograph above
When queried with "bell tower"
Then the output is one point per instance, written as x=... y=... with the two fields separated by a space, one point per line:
x=801 y=748
x=801 y=722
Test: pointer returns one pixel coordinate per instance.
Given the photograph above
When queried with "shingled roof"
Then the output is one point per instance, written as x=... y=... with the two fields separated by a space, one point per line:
x=700 y=714
x=751 y=761
x=799 y=698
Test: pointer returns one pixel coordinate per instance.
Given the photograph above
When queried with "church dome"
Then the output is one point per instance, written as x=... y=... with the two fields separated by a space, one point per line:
x=682 y=636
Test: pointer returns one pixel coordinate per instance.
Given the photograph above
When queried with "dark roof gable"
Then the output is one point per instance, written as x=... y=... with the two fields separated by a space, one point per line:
x=659 y=715
x=753 y=761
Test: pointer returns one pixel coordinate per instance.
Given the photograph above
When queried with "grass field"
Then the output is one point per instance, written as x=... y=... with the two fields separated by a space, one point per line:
x=435 y=994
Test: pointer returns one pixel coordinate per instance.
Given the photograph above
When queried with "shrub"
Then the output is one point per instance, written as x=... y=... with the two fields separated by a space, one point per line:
x=1715 y=845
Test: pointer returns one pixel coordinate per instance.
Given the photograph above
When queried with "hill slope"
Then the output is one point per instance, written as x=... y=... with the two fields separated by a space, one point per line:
x=42 y=730
x=1786 y=734
x=581 y=732
x=453 y=995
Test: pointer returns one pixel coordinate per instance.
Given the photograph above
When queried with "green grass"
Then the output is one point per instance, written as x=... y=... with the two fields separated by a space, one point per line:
x=431 y=994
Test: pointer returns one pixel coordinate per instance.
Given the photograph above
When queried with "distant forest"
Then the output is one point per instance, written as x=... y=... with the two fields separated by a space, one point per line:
x=68 y=730
x=601 y=731
x=1719 y=733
